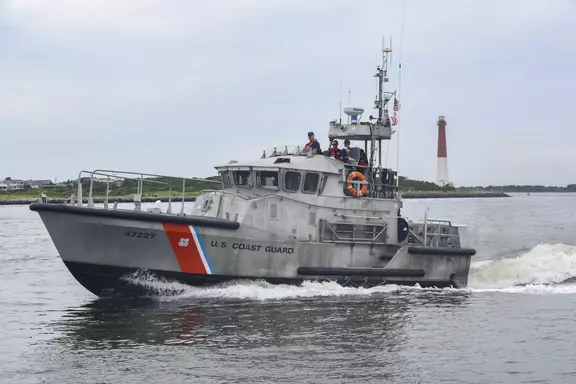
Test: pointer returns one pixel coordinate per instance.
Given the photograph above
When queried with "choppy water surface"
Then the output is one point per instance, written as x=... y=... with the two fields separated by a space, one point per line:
x=514 y=324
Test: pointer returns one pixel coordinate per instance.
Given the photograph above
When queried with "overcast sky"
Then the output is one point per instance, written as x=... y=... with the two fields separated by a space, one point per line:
x=176 y=87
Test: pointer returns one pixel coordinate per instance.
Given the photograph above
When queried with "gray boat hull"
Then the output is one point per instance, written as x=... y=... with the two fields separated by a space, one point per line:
x=100 y=247
x=106 y=280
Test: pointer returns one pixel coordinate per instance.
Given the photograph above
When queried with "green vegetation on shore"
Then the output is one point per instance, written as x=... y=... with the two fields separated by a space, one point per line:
x=159 y=187
x=153 y=187
x=426 y=186
x=524 y=188
x=405 y=184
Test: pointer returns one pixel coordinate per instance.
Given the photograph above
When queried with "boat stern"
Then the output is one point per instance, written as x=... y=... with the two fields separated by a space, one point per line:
x=442 y=266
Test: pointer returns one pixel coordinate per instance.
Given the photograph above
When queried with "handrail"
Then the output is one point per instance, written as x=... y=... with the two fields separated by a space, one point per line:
x=343 y=216
x=426 y=226
x=90 y=192
x=354 y=231
x=439 y=221
x=140 y=177
x=416 y=236
x=348 y=165
x=316 y=205
x=295 y=200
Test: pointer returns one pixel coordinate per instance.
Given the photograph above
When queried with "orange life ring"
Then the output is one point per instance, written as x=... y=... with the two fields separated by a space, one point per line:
x=350 y=186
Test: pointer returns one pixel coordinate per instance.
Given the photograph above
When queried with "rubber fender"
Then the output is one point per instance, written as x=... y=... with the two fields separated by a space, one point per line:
x=403 y=229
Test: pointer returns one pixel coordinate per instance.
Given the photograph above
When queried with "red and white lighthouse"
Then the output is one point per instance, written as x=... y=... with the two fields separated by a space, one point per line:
x=442 y=167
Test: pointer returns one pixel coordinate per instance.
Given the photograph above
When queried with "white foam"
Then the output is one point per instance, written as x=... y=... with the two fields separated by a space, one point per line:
x=531 y=289
x=536 y=272
x=255 y=290
x=543 y=265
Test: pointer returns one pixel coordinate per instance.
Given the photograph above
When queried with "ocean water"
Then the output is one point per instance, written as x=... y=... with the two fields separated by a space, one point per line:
x=515 y=323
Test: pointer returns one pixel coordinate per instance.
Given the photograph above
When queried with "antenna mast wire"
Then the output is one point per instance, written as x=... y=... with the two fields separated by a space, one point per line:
x=340 y=100
x=399 y=106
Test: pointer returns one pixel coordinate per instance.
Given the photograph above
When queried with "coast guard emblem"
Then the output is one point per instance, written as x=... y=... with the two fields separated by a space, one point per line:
x=184 y=242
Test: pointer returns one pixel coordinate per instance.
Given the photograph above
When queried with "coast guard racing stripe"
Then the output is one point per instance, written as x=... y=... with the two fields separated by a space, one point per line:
x=188 y=247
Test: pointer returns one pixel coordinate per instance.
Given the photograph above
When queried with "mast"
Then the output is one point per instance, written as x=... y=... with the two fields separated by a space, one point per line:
x=376 y=129
x=381 y=99
x=382 y=75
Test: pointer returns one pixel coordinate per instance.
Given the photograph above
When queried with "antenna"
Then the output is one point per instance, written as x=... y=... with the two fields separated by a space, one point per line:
x=391 y=61
x=383 y=48
x=376 y=65
x=349 y=97
x=399 y=90
x=382 y=75
x=340 y=100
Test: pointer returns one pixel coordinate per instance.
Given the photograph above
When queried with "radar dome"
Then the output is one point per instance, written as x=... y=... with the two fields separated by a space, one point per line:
x=353 y=111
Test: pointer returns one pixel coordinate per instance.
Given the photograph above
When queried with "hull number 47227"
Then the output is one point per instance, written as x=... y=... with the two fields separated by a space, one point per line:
x=140 y=235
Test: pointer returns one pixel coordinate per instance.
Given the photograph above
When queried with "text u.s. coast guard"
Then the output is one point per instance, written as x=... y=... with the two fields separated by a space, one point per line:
x=252 y=247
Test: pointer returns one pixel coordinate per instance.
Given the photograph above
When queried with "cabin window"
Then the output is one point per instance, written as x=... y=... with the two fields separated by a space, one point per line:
x=226 y=179
x=242 y=178
x=323 y=183
x=292 y=181
x=267 y=179
x=311 y=182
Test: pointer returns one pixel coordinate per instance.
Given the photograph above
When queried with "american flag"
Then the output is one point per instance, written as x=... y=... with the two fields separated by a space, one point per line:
x=396 y=107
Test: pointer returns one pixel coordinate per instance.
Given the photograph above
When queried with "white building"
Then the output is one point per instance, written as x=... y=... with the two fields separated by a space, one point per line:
x=11 y=185
x=36 y=184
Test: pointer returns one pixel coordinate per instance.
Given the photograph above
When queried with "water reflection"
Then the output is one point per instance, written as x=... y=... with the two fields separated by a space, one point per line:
x=342 y=338
x=128 y=323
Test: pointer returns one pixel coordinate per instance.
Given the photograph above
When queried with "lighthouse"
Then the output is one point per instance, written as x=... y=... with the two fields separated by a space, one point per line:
x=442 y=167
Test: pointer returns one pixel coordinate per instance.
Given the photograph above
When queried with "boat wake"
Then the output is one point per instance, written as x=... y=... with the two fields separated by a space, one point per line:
x=545 y=269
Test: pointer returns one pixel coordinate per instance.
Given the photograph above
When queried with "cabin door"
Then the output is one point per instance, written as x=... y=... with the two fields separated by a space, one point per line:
x=307 y=229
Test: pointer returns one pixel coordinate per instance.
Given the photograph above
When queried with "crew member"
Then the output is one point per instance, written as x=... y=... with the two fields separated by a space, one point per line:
x=335 y=151
x=345 y=152
x=312 y=144
x=363 y=163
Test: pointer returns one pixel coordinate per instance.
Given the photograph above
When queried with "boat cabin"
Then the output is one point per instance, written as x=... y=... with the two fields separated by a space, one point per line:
x=291 y=172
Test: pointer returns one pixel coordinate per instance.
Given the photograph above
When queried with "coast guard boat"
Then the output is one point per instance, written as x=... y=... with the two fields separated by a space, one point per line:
x=289 y=216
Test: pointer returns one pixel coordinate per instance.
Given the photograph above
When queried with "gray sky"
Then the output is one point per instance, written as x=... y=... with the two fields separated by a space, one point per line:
x=176 y=87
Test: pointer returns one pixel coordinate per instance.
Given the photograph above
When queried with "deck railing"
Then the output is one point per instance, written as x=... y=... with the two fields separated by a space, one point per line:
x=437 y=225
x=348 y=233
x=141 y=177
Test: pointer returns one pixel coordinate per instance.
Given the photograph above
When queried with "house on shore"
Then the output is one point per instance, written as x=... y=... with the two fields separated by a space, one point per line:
x=8 y=185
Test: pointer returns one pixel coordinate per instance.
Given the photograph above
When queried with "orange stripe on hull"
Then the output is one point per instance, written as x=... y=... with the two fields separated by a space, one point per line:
x=185 y=249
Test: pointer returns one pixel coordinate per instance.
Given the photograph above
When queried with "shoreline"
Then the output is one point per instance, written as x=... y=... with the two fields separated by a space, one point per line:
x=406 y=195
x=452 y=195
x=96 y=200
